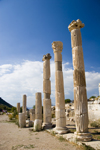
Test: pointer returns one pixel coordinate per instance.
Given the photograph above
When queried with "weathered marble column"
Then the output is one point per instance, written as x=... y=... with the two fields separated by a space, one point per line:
x=47 y=91
x=18 y=108
x=24 y=104
x=80 y=95
x=59 y=89
x=38 y=112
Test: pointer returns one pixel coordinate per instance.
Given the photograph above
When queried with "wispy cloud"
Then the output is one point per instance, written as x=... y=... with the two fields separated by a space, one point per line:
x=27 y=78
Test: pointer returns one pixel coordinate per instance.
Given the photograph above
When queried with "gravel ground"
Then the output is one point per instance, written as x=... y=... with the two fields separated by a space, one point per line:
x=14 y=138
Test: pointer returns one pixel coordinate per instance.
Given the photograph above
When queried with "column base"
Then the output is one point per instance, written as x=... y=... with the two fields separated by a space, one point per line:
x=60 y=130
x=83 y=136
x=47 y=125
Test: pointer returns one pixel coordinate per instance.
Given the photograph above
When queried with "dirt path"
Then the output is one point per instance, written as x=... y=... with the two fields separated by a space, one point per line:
x=14 y=138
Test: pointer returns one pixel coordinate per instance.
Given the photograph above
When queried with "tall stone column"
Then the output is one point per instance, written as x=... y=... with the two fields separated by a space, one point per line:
x=80 y=95
x=24 y=104
x=38 y=112
x=18 y=108
x=47 y=91
x=59 y=89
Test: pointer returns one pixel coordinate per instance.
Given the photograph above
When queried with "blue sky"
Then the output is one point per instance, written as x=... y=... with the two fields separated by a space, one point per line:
x=27 y=29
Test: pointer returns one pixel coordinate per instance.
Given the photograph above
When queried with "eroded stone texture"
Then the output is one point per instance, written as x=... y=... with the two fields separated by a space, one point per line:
x=22 y=120
x=37 y=125
x=59 y=89
x=38 y=106
x=32 y=114
x=80 y=95
x=47 y=91
x=18 y=107
x=38 y=112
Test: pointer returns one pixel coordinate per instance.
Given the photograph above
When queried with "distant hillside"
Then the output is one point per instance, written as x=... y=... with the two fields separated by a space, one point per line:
x=5 y=103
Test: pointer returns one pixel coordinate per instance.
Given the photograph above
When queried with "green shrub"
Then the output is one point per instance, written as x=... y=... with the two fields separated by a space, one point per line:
x=87 y=147
x=61 y=139
x=53 y=115
x=13 y=109
x=10 y=116
x=95 y=124
x=14 y=114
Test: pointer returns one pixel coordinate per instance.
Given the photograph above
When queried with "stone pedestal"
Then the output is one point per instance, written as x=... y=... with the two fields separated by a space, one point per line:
x=59 y=89
x=32 y=114
x=37 y=125
x=22 y=120
x=38 y=112
x=80 y=95
x=47 y=91
x=18 y=107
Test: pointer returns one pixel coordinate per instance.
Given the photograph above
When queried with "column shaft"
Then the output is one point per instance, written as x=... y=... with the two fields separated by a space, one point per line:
x=18 y=108
x=59 y=89
x=38 y=106
x=80 y=95
x=24 y=104
x=47 y=91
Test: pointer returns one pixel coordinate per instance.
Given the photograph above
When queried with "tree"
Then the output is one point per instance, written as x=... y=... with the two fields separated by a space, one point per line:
x=13 y=109
x=92 y=97
x=67 y=101
x=33 y=106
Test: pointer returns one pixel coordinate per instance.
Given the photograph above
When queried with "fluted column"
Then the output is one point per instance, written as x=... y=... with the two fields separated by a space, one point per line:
x=47 y=91
x=59 y=89
x=80 y=95
x=18 y=107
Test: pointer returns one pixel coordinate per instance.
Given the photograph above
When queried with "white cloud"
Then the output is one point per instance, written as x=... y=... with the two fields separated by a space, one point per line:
x=5 y=68
x=27 y=78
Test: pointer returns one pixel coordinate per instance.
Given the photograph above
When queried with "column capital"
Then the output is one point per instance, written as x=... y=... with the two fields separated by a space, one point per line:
x=45 y=57
x=75 y=25
x=57 y=46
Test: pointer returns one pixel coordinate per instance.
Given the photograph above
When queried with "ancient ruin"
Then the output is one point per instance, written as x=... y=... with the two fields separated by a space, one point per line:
x=80 y=95
x=22 y=120
x=38 y=112
x=59 y=89
x=24 y=104
x=47 y=91
x=18 y=108
x=32 y=114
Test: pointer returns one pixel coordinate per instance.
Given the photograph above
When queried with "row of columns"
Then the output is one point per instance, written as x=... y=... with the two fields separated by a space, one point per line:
x=80 y=95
